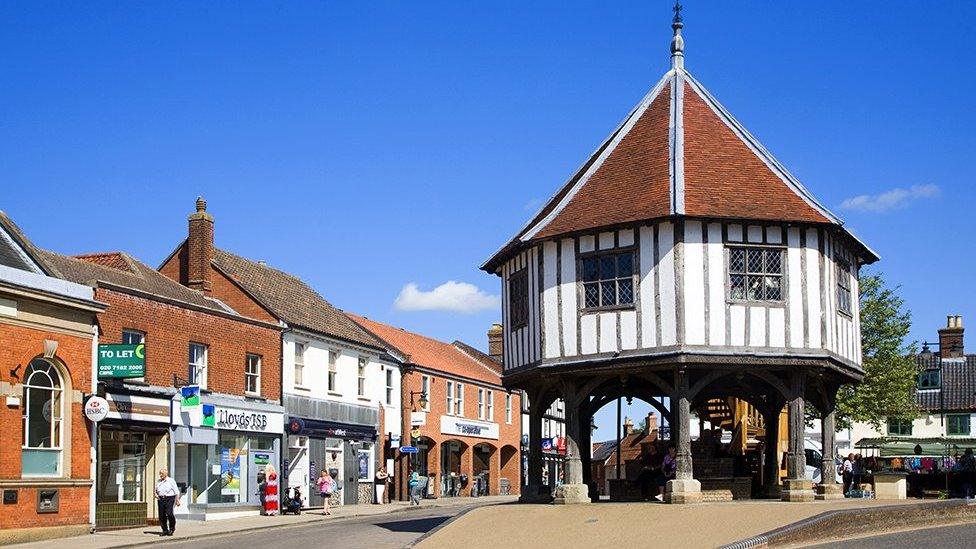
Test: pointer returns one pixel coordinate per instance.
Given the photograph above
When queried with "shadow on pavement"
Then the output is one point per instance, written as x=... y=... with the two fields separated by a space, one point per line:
x=418 y=526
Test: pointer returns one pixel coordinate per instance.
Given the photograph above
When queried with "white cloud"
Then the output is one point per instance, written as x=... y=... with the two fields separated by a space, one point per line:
x=890 y=200
x=454 y=296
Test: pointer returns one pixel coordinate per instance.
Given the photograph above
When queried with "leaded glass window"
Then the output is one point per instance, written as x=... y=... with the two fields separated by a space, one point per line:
x=608 y=280
x=518 y=292
x=755 y=274
x=843 y=286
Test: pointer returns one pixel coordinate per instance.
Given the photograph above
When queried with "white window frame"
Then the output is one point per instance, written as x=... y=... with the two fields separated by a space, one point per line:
x=508 y=408
x=459 y=400
x=481 y=403
x=450 y=398
x=425 y=389
x=256 y=375
x=299 y=364
x=389 y=386
x=333 y=373
x=361 y=376
x=490 y=406
x=133 y=332
x=197 y=370
x=57 y=430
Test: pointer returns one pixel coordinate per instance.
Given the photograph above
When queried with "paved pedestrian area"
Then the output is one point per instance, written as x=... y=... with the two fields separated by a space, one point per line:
x=620 y=524
x=188 y=529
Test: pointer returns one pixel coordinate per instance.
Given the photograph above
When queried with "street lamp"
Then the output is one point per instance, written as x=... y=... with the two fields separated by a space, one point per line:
x=422 y=400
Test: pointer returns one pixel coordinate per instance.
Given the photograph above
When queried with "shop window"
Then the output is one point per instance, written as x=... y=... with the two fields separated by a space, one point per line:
x=755 y=274
x=930 y=379
x=361 y=377
x=198 y=365
x=608 y=280
x=425 y=389
x=333 y=369
x=122 y=467
x=299 y=364
x=899 y=427
x=518 y=292
x=957 y=424
x=252 y=374
x=389 y=386
x=42 y=420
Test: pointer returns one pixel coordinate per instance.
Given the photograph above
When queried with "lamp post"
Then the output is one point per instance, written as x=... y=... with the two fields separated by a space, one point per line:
x=423 y=401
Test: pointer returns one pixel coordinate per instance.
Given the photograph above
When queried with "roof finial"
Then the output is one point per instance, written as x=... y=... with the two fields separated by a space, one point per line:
x=677 y=43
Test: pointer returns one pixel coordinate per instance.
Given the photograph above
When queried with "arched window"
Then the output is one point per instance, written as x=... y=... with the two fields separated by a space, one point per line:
x=43 y=416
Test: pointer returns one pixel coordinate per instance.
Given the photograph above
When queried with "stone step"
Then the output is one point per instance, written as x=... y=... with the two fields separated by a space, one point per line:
x=716 y=495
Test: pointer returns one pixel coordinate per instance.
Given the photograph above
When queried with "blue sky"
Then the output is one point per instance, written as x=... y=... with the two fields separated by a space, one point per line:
x=366 y=147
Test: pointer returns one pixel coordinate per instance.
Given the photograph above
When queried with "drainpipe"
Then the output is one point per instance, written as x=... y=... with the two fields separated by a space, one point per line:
x=93 y=432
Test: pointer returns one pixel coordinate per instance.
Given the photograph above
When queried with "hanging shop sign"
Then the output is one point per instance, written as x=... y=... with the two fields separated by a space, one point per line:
x=468 y=427
x=96 y=409
x=189 y=397
x=138 y=408
x=394 y=441
x=547 y=445
x=418 y=419
x=119 y=361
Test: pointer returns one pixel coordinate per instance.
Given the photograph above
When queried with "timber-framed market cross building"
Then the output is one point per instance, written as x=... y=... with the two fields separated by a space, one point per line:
x=683 y=265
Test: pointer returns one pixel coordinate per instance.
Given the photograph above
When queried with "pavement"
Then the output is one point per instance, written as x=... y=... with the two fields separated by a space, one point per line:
x=619 y=524
x=961 y=535
x=251 y=526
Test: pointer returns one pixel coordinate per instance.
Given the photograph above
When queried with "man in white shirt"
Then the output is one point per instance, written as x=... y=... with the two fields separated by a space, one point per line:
x=167 y=494
x=848 y=472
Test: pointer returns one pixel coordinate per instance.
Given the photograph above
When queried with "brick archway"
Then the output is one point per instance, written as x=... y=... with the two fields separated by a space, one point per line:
x=509 y=468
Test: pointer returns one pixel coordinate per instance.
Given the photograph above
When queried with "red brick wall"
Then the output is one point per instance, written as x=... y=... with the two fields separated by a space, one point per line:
x=170 y=329
x=20 y=346
x=509 y=434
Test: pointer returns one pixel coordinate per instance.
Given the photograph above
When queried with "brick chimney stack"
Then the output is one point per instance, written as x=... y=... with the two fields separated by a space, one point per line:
x=650 y=423
x=495 y=341
x=628 y=426
x=200 y=248
x=950 y=338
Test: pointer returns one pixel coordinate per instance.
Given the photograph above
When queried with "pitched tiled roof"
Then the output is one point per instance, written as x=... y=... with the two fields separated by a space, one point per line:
x=430 y=353
x=291 y=300
x=678 y=153
x=958 y=391
x=11 y=253
x=121 y=269
x=480 y=356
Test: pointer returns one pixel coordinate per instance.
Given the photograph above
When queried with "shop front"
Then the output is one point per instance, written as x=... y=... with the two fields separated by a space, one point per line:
x=221 y=451
x=336 y=437
x=132 y=446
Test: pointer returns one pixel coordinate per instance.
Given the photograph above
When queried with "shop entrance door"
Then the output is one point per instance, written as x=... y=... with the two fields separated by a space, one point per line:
x=350 y=473
x=316 y=463
x=257 y=462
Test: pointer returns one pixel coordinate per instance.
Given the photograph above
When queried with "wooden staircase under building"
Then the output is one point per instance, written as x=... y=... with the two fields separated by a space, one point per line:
x=738 y=416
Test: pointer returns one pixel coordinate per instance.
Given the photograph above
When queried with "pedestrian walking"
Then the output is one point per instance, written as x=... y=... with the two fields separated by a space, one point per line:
x=415 y=487
x=167 y=495
x=326 y=486
x=967 y=468
x=857 y=471
x=848 y=472
x=380 y=484
x=271 y=499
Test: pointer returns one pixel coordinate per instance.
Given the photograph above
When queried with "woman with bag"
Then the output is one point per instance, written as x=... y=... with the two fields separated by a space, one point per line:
x=326 y=486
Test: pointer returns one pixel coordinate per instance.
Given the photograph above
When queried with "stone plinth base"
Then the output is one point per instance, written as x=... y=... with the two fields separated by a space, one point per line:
x=535 y=493
x=683 y=491
x=795 y=490
x=570 y=494
x=829 y=491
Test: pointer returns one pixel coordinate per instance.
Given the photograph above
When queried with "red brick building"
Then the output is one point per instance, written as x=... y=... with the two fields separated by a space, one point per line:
x=46 y=335
x=464 y=423
x=189 y=338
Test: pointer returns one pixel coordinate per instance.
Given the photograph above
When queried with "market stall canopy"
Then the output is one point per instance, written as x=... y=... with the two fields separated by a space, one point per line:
x=906 y=446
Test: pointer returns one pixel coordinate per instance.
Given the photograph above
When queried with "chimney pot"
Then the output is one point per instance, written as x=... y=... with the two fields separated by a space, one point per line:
x=495 y=339
x=951 y=338
x=200 y=248
x=628 y=426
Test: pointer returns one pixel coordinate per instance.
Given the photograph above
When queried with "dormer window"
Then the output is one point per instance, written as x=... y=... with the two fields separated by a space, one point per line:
x=608 y=280
x=755 y=274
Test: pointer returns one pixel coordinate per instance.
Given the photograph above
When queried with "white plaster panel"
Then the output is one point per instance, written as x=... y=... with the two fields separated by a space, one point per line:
x=608 y=332
x=550 y=299
x=716 y=285
x=757 y=326
x=588 y=333
x=606 y=241
x=694 y=284
x=814 y=309
x=737 y=330
x=647 y=303
x=587 y=243
x=777 y=327
x=666 y=278
x=794 y=295
x=625 y=237
x=568 y=293
x=755 y=233
x=628 y=330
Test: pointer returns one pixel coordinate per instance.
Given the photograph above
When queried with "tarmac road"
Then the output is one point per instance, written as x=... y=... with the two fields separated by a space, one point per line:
x=962 y=535
x=380 y=532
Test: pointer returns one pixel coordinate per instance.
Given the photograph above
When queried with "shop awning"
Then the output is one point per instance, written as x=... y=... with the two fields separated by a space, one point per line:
x=922 y=447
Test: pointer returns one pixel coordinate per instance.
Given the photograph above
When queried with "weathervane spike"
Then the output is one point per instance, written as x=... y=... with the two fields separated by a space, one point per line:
x=677 y=42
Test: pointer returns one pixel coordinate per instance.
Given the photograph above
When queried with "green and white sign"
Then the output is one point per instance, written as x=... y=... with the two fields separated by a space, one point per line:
x=120 y=361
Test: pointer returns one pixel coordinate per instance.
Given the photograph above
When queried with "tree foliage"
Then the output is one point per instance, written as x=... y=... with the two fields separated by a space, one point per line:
x=889 y=361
